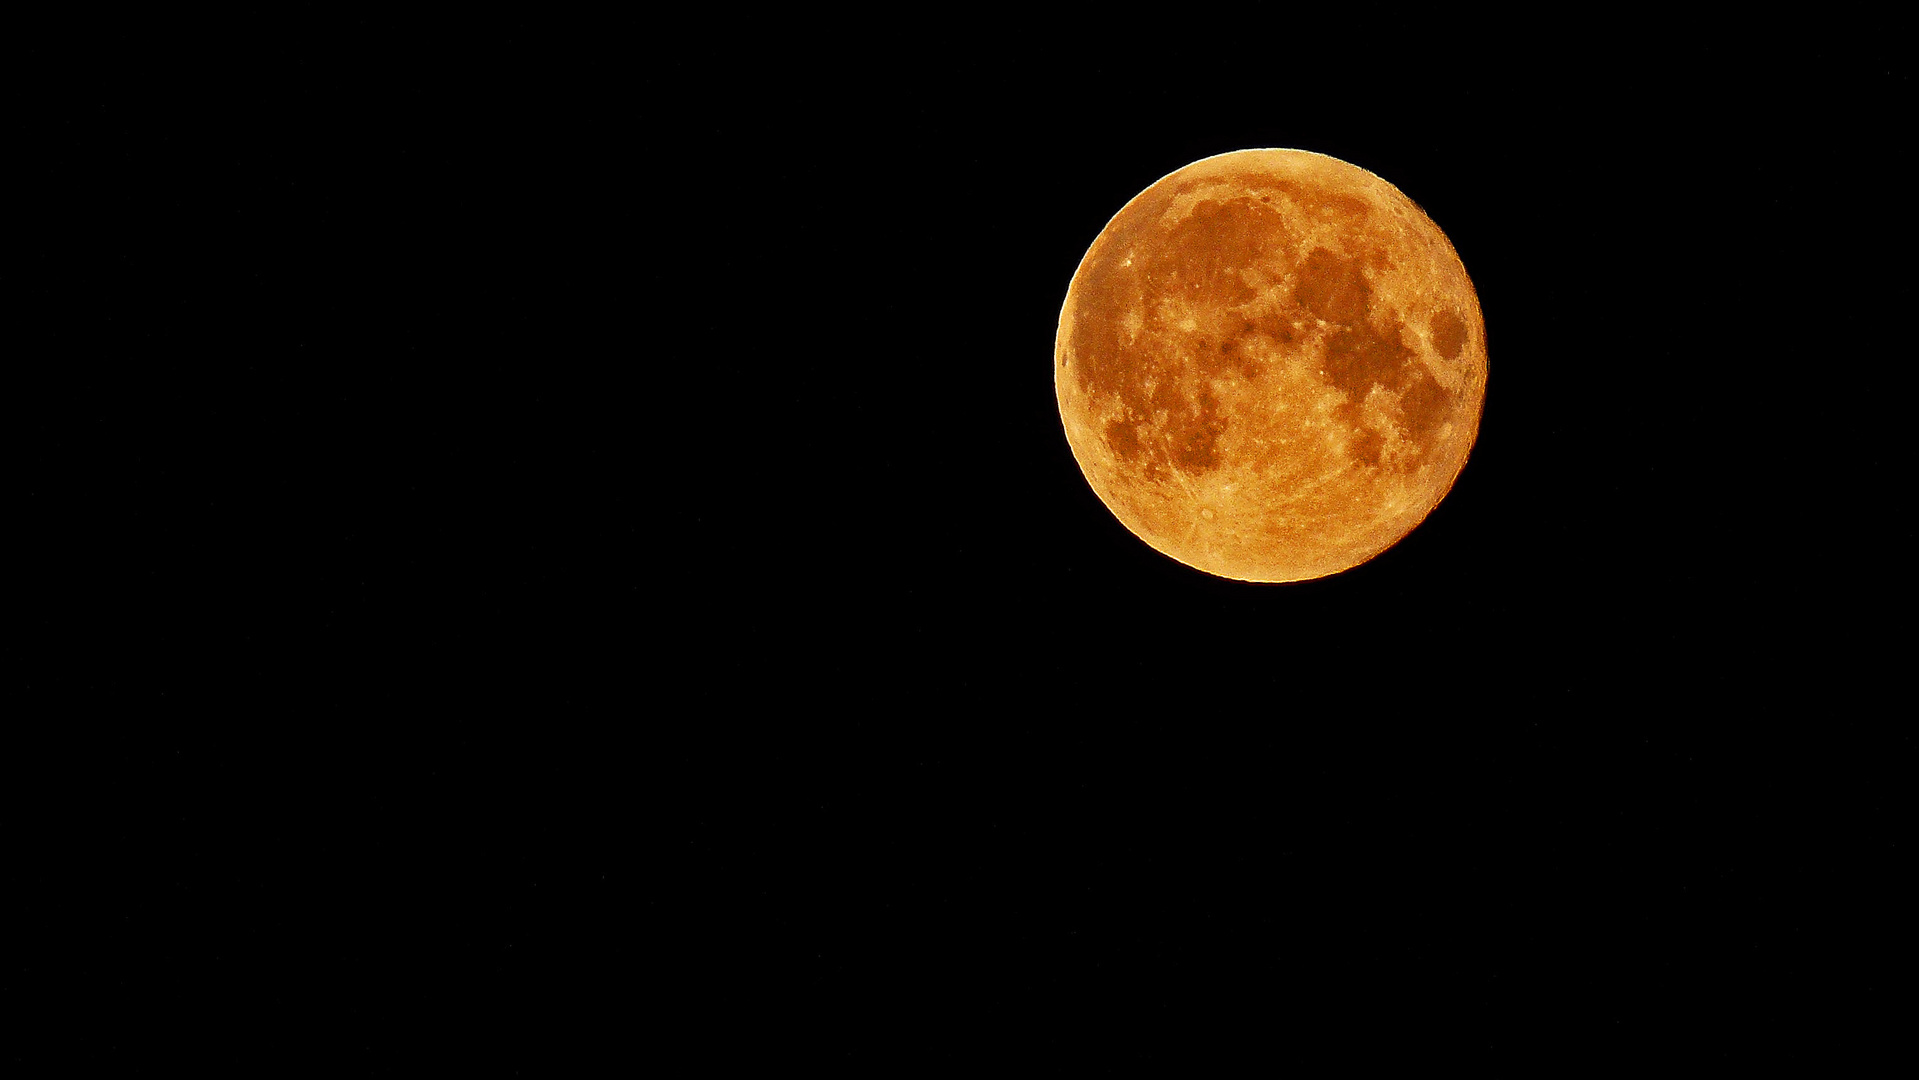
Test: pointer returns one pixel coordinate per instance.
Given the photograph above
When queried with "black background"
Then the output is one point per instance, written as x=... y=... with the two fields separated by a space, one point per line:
x=560 y=542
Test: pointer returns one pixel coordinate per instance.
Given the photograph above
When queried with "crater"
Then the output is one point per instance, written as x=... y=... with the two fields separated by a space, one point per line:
x=1424 y=403
x=1124 y=439
x=1229 y=357
x=1367 y=446
x=1333 y=287
x=1360 y=356
x=1318 y=201
x=1449 y=334
x=1195 y=439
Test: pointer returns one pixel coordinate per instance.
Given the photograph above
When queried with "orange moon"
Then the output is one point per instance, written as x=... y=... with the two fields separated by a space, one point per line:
x=1270 y=365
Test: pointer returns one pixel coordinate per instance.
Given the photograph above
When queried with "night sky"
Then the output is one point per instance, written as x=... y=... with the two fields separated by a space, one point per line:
x=564 y=544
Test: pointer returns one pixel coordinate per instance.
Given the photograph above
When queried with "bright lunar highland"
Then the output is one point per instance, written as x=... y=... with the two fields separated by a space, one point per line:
x=1270 y=365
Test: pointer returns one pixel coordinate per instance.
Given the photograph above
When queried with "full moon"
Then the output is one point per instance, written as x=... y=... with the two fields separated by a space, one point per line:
x=1270 y=365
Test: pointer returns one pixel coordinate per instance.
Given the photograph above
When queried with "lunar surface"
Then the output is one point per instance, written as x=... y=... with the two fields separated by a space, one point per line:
x=1270 y=365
